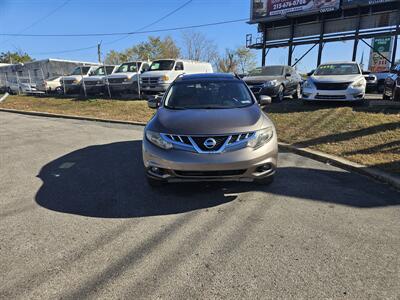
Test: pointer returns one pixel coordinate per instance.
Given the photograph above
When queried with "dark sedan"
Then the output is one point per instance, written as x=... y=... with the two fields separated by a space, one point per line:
x=274 y=81
x=392 y=85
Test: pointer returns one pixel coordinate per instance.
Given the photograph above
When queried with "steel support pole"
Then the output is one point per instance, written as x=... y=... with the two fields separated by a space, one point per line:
x=264 y=47
x=396 y=39
x=321 y=41
x=290 y=57
x=356 y=40
x=83 y=83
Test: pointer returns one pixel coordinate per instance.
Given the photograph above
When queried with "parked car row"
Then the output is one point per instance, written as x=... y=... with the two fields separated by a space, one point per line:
x=130 y=77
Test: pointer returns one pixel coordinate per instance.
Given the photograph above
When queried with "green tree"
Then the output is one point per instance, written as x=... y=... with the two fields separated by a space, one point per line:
x=14 y=57
x=153 y=48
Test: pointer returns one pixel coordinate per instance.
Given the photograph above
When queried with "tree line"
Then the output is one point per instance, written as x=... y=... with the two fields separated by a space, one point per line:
x=194 y=46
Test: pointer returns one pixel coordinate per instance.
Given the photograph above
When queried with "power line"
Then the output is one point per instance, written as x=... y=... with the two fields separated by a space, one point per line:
x=52 y=12
x=153 y=23
x=126 y=33
x=150 y=31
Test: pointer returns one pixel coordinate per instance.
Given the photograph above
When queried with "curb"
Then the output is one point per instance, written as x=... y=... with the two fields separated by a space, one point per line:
x=345 y=164
x=73 y=117
x=336 y=161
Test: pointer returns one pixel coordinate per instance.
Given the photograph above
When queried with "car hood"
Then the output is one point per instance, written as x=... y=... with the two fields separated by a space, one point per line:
x=209 y=121
x=154 y=74
x=122 y=75
x=337 y=78
x=73 y=77
x=93 y=78
x=261 y=79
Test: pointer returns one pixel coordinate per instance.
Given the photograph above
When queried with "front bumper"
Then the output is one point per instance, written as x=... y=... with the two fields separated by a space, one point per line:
x=349 y=95
x=72 y=88
x=245 y=164
x=159 y=87
x=123 y=87
x=95 y=89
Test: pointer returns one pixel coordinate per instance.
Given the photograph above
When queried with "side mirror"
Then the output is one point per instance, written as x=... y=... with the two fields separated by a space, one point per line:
x=155 y=102
x=264 y=100
x=310 y=73
x=288 y=75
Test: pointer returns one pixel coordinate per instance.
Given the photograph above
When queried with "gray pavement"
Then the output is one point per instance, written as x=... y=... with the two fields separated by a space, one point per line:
x=78 y=220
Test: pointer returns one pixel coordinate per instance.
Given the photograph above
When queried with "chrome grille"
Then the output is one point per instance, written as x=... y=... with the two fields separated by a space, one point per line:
x=149 y=80
x=68 y=81
x=220 y=143
x=91 y=82
x=116 y=80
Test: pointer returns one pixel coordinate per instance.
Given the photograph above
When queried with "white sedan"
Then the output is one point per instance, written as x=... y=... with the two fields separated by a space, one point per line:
x=339 y=81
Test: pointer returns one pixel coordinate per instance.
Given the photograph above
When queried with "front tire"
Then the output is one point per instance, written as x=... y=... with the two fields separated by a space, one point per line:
x=280 y=95
x=297 y=93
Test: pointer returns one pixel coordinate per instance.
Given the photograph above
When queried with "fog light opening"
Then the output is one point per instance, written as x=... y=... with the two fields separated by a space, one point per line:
x=156 y=170
x=264 y=168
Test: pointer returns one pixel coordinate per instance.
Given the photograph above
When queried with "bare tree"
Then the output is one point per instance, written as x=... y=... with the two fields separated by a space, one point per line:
x=228 y=63
x=196 y=46
x=246 y=59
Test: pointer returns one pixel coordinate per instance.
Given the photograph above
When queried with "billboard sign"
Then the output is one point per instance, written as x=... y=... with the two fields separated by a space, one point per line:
x=376 y=62
x=353 y=3
x=280 y=8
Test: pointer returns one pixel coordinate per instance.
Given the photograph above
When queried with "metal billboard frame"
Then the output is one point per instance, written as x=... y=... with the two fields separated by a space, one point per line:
x=355 y=23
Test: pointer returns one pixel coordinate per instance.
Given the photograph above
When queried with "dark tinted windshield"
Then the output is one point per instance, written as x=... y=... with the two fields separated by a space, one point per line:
x=267 y=71
x=162 y=65
x=207 y=95
x=80 y=71
x=337 y=69
x=128 y=67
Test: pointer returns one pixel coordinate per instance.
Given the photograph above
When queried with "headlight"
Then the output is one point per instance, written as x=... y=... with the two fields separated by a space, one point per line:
x=75 y=81
x=261 y=138
x=358 y=84
x=271 y=83
x=127 y=79
x=308 y=84
x=156 y=139
x=164 y=78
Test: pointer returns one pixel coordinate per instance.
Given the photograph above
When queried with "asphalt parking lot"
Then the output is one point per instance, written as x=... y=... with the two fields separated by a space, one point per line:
x=78 y=220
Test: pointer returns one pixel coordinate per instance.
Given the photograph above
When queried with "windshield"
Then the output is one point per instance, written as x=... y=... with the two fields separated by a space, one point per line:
x=337 y=69
x=100 y=71
x=162 y=65
x=78 y=71
x=208 y=95
x=267 y=71
x=128 y=67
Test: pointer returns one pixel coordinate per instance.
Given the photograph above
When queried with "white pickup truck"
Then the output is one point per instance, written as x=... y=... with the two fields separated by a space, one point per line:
x=164 y=71
x=125 y=78
x=96 y=82
x=73 y=82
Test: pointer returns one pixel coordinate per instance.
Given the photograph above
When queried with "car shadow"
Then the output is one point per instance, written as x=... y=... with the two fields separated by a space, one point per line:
x=108 y=181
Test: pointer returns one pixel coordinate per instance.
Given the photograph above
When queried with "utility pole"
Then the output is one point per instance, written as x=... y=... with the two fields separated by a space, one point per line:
x=99 y=52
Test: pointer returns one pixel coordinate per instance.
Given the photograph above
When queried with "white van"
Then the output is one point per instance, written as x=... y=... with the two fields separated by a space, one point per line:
x=164 y=71
x=73 y=82
x=124 y=79
x=95 y=83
